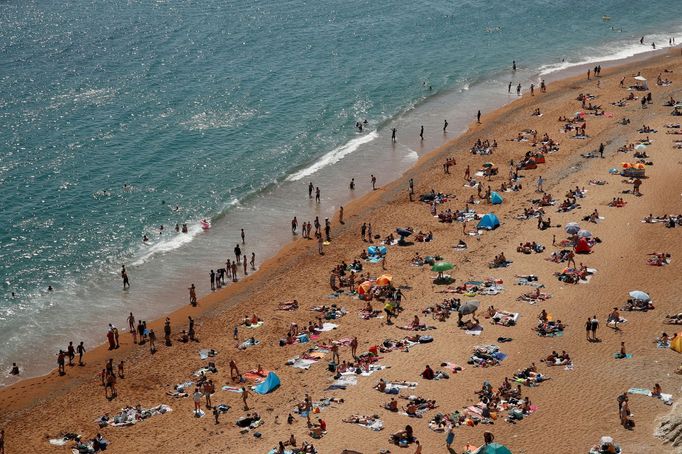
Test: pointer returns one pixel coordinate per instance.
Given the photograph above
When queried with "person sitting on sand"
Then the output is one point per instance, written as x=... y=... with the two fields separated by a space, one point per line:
x=380 y=386
x=656 y=391
x=428 y=373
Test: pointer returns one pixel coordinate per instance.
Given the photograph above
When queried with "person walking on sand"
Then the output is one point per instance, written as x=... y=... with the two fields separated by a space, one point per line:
x=81 y=351
x=71 y=353
x=341 y=215
x=234 y=370
x=540 y=184
x=594 y=325
x=167 y=332
x=588 y=74
x=374 y=182
x=363 y=230
x=369 y=232
x=601 y=150
x=478 y=117
x=60 y=362
x=588 y=328
x=421 y=133
x=2 y=441
x=152 y=341
x=320 y=244
x=245 y=395
x=354 y=347
x=317 y=194
x=614 y=317
x=197 y=401
x=192 y=295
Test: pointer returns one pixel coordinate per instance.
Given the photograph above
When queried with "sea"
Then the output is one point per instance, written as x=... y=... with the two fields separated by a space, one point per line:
x=118 y=117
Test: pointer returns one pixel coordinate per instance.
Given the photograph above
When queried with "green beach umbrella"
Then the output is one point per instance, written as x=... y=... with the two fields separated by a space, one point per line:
x=442 y=266
x=493 y=448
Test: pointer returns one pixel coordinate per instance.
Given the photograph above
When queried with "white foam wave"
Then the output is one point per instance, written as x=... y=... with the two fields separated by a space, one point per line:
x=333 y=156
x=167 y=243
x=614 y=51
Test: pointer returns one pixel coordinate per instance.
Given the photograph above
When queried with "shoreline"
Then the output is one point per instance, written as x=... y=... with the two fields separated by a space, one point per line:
x=233 y=296
x=162 y=293
x=221 y=296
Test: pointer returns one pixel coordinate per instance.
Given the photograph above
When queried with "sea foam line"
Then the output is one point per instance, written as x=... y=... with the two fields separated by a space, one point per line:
x=333 y=156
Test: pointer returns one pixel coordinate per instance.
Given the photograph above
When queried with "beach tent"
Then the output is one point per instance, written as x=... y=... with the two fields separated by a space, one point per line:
x=495 y=198
x=582 y=247
x=270 y=384
x=493 y=448
x=488 y=222
x=676 y=343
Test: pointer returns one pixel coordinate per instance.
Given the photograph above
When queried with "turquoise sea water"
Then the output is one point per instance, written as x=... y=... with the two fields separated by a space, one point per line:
x=112 y=113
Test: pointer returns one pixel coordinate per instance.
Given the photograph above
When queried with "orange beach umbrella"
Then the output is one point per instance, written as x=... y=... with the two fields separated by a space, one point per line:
x=384 y=280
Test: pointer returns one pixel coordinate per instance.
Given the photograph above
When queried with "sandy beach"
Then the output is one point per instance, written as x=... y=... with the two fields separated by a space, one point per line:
x=571 y=410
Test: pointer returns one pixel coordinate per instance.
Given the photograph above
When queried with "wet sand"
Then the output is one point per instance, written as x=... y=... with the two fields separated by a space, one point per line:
x=575 y=407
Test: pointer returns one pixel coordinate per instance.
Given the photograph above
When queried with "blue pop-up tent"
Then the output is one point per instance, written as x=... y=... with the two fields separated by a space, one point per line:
x=270 y=384
x=488 y=222
x=495 y=198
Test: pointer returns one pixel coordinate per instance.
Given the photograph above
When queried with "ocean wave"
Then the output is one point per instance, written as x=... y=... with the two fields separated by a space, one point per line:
x=619 y=50
x=167 y=243
x=333 y=156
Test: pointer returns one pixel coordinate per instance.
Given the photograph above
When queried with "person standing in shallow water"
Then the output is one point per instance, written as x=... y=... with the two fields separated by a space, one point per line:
x=317 y=194
x=478 y=117
x=445 y=126
x=310 y=190
x=421 y=133
x=351 y=186
x=393 y=131
x=124 y=276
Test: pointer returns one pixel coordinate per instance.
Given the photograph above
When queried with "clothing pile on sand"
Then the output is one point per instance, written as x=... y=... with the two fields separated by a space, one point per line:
x=129 y=416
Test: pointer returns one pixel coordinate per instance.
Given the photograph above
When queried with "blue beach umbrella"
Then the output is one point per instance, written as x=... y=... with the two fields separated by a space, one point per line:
x=639 y=295
x=493 y=448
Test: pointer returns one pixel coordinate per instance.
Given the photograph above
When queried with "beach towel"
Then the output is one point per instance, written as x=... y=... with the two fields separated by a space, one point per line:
x=207 y=353
x=327 y=327
x=255 y=325
x=627 y=356
x=475 y=331
x=666 y=398
x=232 y=389
x=301 y=363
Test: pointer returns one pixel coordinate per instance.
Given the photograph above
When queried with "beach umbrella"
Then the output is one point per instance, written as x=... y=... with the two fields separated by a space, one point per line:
x=488 y=164
x=384 y=280
x=364 y=287
x=572 y=228
x=469 y=307
x=442 y=266
x=640 y=78
x=640 y=295
x=640 y=146
x=676 y=343
x=584 y=234
x=493 y=448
